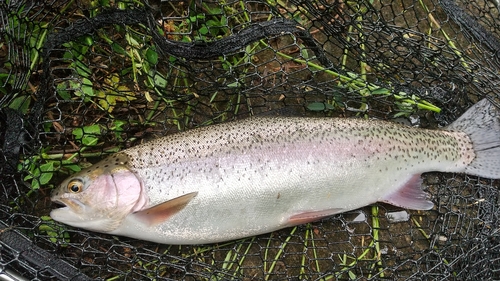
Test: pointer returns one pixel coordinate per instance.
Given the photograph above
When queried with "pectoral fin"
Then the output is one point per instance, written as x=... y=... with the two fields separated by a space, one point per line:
x=161 y=212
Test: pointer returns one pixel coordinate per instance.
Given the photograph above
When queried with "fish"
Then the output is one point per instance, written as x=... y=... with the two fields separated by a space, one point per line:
x=253 y=176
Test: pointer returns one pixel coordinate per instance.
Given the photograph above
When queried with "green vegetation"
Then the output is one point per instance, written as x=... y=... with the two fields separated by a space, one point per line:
x=56 y=233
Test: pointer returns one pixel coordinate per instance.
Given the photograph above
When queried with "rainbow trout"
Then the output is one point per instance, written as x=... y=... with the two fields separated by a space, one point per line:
x=249 y=177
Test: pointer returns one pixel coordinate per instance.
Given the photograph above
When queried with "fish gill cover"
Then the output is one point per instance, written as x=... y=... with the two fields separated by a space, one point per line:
x=80 y=80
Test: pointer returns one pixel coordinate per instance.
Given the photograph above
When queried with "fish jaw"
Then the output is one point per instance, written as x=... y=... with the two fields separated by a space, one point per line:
x=76 y=214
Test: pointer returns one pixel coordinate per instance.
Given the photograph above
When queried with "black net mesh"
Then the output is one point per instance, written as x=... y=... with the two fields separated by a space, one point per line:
x=81 y=79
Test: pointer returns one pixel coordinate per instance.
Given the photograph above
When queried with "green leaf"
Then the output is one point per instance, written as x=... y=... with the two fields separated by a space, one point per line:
x=304 y=53
x=118 y=125
x=214 y=10
x=118 y=49
x=402 y=114
x=160 y=81
x=132 y=41
x=47 y=170
x=87 y=87
x=319 y=106
x=82 y=69
x=203 y=30
x=40 y=175
x=21 y=103
x=380 y=91
x=45 y=218
x=234 y=84
x=63 y=92
x=352 y=75
x=88 y=134
x=56 y=233
x=151 y=56
x=118 y=128
x=92 y=129
x=88 y=41
x=70 y=165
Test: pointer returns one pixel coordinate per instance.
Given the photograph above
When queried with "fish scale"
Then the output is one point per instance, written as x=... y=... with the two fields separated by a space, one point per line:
x=257 y=175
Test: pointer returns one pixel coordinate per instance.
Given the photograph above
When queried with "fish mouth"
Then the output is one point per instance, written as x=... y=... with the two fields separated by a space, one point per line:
x=69 y=211
x=59 y=203
x=68 y=203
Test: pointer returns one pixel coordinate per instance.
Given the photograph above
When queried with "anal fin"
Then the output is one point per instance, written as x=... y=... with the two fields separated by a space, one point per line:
x=161 y=212
x=410 y=195
x=307 y=217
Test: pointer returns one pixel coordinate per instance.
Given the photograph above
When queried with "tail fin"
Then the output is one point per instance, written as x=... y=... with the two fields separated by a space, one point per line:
x=482 y=123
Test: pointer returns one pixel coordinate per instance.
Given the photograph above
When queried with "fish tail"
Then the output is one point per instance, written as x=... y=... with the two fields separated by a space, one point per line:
x=482 y=124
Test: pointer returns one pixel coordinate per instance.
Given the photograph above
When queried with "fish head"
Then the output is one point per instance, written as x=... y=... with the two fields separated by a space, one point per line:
x=100 y=197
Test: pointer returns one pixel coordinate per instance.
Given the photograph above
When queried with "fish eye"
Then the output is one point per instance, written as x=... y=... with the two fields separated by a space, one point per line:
x=75 y=186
